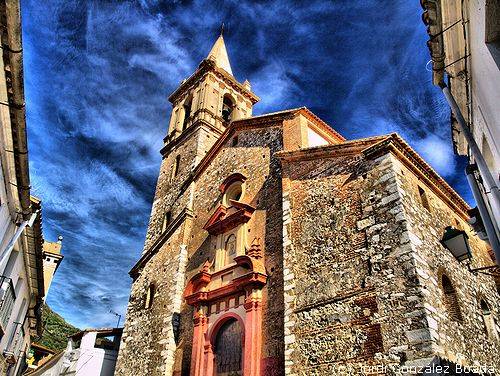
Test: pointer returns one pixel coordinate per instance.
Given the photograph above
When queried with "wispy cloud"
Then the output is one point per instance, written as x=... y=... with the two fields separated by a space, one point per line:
x=97 y=79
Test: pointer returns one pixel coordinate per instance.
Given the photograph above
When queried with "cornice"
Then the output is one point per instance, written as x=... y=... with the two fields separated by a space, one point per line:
x=196 y=291
x=188 y=132
x=329 y=151
x=205 y=67
x=374 y=147
x=323 y=125
x=254 y=122
x=221 y=221
x=414 y=162
x=146 y=256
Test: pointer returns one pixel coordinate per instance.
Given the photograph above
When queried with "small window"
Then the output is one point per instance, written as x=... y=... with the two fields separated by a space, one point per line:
x=492 y=29
x=227 y=108
x=166 y=221
x=150 y=296
x=488 y=320
x=458 y=225
x=187 y=112
x=175 y=167
x=450 y=299
x=234 y=192
x=423 y=198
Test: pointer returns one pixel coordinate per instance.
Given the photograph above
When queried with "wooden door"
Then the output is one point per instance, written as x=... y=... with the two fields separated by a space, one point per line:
x=228 y=349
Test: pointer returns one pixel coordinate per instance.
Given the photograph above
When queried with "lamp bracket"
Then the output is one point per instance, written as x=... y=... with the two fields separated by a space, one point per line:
x=493 y=270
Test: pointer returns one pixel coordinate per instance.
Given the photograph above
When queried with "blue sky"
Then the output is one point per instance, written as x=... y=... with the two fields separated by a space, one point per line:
x=97 y=77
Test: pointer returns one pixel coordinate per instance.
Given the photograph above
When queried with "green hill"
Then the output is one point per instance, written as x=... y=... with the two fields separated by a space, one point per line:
x=56 y=330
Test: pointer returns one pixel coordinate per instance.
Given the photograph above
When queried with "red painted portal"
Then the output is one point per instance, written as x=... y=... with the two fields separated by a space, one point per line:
x=246 y=314
x=204 y=353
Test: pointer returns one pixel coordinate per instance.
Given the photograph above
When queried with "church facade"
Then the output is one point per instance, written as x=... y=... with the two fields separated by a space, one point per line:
x=276 y=246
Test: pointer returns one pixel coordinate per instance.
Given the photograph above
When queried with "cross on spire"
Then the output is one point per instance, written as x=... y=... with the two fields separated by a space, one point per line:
x=222 y=28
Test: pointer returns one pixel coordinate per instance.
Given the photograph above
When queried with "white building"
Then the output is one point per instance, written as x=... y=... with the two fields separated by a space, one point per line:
x=21 y=240
x=91 y=352
x=464 y=41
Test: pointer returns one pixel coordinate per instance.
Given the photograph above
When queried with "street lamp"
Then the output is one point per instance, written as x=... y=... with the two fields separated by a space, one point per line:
x=456 y=241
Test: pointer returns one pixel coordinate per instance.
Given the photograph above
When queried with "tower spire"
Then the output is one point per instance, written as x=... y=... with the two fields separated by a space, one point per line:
x=218 y=53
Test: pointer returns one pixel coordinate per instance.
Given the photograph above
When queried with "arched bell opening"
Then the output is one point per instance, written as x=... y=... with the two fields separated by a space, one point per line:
x=227 y=108
x=187 y=111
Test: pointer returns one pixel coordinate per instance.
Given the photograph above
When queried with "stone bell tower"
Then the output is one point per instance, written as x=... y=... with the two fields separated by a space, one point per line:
x=211 y=96
x=203 y=107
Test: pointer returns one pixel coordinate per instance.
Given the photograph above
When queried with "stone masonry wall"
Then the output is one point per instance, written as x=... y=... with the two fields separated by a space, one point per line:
x=463 y=342
x=351 y=291
x=148 y=341
x=148 y=344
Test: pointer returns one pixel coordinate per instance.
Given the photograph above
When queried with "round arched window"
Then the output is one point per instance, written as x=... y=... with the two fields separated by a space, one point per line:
x=450 y=299
x=234 y=192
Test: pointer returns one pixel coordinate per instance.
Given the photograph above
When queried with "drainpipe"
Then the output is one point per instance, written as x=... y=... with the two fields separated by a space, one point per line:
x=483 y=210
x=489 y=182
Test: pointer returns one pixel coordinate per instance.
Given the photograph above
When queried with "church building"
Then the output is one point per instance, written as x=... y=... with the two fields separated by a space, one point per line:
x=277 y=247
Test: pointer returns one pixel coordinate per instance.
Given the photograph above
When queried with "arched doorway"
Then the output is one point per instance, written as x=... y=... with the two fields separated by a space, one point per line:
x=228 y=349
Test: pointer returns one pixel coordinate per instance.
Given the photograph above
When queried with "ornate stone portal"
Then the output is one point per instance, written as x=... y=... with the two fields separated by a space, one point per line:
x=224 y=294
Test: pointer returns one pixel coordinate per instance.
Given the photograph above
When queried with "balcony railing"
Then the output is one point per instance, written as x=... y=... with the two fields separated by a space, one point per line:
x=7 y=298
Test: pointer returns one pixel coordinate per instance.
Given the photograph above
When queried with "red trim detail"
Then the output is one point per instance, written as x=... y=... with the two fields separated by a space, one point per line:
x=196 y=294
x=225 y=317
x=221 y=222
x=219 y=214
x=230 y=180
x=251 y=341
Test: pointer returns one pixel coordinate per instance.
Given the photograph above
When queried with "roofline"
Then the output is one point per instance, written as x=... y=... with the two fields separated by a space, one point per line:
x=99 y=330
x=13 y=56
x=257 y=121
x=206 y=66
x=42 y=347
x=406 y=154
x=346 y=148
x=374 y=147
x=45 y=366
x=260 y=121
x=284 y=114
x=432 y=19
x=35 y=232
